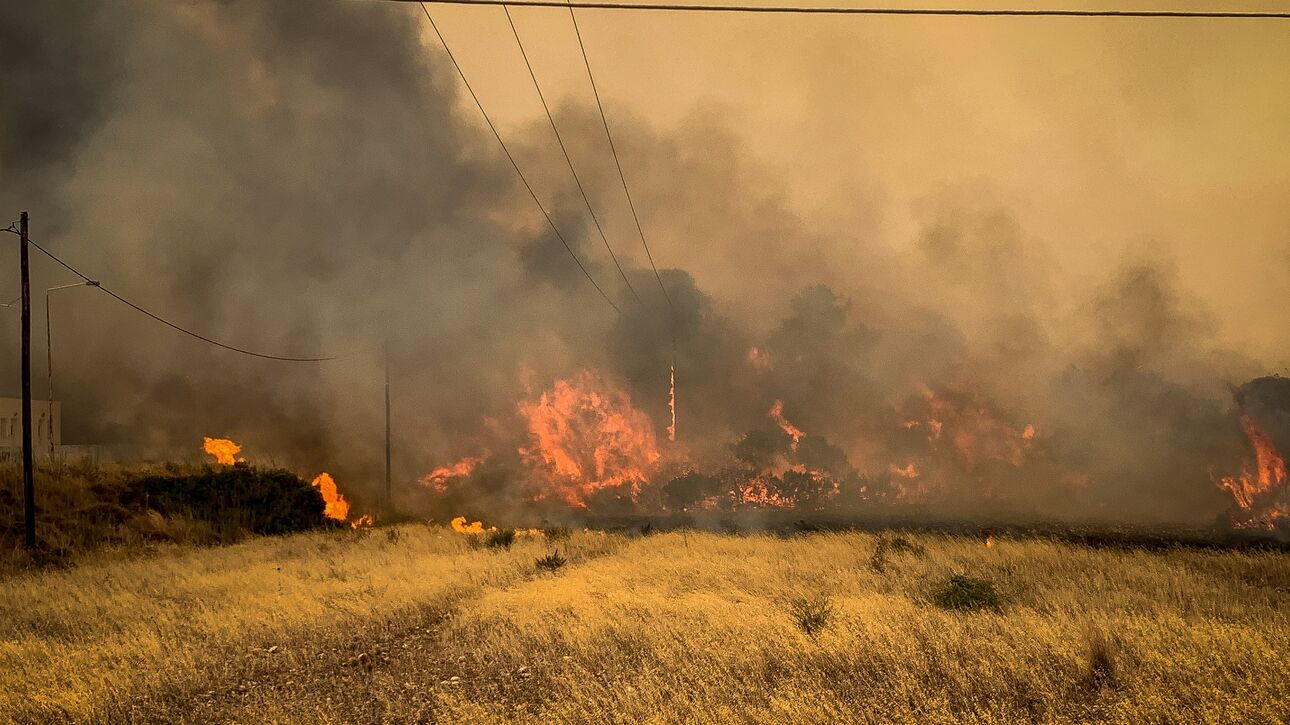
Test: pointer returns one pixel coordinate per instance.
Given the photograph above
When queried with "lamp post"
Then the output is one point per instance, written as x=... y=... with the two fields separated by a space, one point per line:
x=49 y=356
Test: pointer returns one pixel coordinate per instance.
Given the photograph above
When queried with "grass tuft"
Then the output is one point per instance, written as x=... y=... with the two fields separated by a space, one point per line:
x=500 y=539
x=812 y=614
x=965 y=593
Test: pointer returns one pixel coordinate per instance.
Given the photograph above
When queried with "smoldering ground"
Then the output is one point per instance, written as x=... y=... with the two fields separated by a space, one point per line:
x=306 y=178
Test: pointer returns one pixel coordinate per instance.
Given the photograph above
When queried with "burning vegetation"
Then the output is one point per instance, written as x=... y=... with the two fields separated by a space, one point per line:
x=583 y=446
x=336 y=507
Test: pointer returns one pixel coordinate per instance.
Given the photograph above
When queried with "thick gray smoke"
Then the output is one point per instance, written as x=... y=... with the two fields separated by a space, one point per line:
x=306 y=178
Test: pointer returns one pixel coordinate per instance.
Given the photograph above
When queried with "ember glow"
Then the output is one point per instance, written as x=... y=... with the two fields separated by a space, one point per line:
x=1260 y=491
x=337 y=507
x=224 y=450
x=584 y=437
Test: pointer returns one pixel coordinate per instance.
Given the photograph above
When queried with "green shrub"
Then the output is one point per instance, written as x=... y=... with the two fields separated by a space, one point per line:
x=965 y=593
x=500 y=539
x=812 y=614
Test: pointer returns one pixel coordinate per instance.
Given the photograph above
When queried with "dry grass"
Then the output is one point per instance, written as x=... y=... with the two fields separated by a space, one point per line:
x=672 y=627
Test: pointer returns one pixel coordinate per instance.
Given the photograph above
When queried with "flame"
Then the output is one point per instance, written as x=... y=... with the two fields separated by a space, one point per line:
x=337 y=507
x=439 y=477
x=909 y=470
x=671 y=402
x=585 y=436
x=366 y=521
x=989 y=541
x=777 y=414
x=224 y=450
x=460 y=526
x=758 y=358
x=1252 y=487
x=755 y=492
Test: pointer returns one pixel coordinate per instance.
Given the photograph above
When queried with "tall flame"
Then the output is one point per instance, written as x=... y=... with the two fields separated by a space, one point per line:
x=1252 y=486
x=777 y=414
x=671 y=402
x=337 y=507
x=224 y=450
x=585 y=436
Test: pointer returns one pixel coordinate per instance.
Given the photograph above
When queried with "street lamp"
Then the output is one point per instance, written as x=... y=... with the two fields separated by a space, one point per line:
x=49 y=355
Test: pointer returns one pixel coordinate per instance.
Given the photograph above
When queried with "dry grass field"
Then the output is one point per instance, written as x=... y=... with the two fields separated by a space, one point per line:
x=420 y=623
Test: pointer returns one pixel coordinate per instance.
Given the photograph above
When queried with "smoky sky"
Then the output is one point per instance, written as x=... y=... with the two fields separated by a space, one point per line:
x=306 y=177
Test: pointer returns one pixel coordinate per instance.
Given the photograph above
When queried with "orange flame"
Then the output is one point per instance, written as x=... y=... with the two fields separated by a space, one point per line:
x=777 y=414
x=224 y=450
x=337 y=507
x=671 y=402
x=366 y=521
x=585 y=436
x=989 y=541
x=439 y=477
x=1252 y=485
x=460 y=526
x=909 y=470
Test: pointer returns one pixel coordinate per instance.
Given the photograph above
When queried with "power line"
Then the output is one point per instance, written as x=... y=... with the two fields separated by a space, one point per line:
x=567 y=159
x=514 y=164
x=841 y=10
x=168 y=323
x=614 y=150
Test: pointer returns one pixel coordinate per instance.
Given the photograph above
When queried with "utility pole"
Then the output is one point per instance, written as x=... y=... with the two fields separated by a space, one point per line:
x=28 y=474
x=386 y=355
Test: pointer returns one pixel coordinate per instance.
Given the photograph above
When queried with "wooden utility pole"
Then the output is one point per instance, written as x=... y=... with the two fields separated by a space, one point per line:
x=386 y=355
x=28 y=474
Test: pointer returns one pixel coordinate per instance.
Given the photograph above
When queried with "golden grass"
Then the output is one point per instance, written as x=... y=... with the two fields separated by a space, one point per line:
x=112 y=640
x=674 y=627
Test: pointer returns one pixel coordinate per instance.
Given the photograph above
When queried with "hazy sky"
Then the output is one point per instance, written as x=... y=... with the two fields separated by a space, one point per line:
x=1103 y=137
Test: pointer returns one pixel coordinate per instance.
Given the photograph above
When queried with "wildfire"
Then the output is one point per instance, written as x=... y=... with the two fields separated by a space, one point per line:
x=909 y=470
x=477 y=527
x=777 y=414
x=585 y=436
x=460 y=526
x=337 y=507
x=439 y=477
x=366 y=521
x=671 y=402
x=989 y=541
x=224 y=450
x=757 y=494
x=1252 y=487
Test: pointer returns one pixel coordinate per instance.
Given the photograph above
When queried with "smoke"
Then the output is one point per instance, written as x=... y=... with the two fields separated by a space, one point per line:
x=307 y=178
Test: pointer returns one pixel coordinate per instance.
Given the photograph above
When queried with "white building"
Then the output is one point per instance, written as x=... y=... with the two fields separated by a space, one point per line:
x=42 y=411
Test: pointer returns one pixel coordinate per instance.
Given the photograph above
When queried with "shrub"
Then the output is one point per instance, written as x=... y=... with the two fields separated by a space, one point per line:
x=898 y=544
x=551 y=561
x=965 y=593
x=234 y=498
x=500 y=539
x=812 y=614
x=557 y=533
